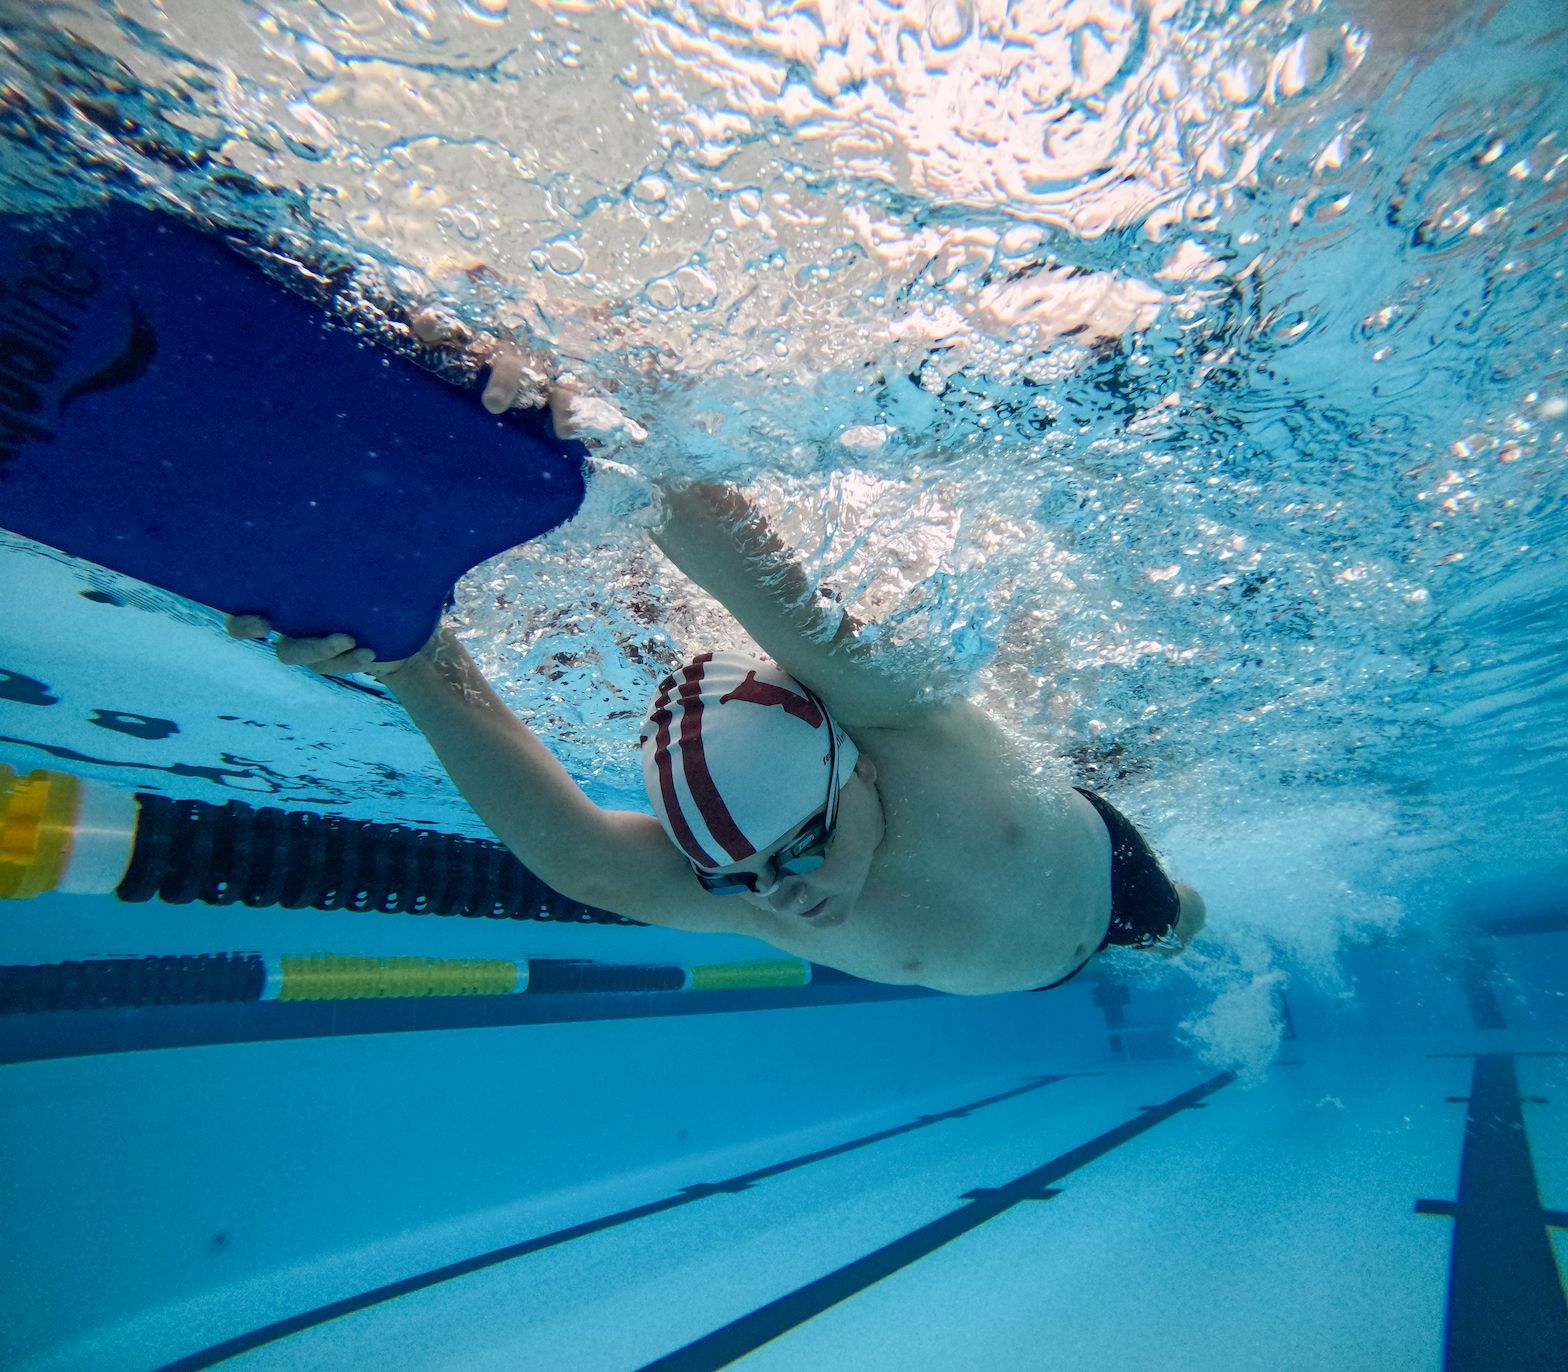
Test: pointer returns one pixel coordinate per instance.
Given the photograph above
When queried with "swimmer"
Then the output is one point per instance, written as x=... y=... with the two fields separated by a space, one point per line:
x=804 y=795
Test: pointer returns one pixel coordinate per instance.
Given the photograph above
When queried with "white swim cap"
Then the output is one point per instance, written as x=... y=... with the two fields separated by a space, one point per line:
x=735 y=754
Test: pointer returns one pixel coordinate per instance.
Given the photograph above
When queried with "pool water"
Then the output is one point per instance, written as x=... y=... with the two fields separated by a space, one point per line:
x=1187 y=378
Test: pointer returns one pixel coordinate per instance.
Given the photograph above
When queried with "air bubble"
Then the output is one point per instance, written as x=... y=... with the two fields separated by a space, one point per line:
x=1303 y=66
x=317 y=60
x=485 y=11
x=563 y=256
x=661 y=294
x=464 y=223
x=1241 y=81
x=650 y=191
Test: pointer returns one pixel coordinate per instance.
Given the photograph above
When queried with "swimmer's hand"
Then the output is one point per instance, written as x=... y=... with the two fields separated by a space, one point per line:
x=517 y=377
x=1191 y=922
x=334 y=655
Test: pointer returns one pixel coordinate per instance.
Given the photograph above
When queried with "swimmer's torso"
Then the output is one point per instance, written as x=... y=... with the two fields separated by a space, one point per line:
x=981 y=884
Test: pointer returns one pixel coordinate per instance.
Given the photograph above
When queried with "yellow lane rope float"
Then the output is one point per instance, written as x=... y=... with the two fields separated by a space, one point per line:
x=60 y=833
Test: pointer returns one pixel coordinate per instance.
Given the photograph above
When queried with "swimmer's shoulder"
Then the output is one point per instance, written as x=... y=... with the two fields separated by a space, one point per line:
x=958 y=729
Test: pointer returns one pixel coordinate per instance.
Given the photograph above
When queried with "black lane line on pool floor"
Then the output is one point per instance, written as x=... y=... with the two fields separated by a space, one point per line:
x=763 y=1325
x=244 y=1343
x=1506 y=1307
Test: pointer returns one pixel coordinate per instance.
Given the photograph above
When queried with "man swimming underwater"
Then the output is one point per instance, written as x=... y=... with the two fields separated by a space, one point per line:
x=813 y=801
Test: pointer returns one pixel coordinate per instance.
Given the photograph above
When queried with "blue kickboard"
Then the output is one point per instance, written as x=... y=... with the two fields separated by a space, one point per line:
x=168 y=411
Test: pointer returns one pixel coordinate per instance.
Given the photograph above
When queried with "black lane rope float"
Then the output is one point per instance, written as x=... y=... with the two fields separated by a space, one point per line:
x=61 y=833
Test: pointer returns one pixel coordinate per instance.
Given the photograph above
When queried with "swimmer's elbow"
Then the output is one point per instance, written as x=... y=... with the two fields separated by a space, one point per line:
x=635 y=871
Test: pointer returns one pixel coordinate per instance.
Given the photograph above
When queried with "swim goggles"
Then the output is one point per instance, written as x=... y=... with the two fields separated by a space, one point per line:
x=804 y=853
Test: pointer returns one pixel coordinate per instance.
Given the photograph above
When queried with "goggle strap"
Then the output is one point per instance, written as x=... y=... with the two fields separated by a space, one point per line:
x=833 y=787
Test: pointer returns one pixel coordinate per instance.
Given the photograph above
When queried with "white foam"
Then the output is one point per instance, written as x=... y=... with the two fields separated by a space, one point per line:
x=1289 y=888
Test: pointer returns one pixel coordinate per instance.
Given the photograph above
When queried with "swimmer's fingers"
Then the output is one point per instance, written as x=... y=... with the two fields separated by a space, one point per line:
x=562 y=398
x=334 y=655
x=435 y=329
x=517 y=377
x=246 y=626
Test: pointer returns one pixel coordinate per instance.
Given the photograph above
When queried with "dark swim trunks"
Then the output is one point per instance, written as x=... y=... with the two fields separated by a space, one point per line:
x=1144 y=903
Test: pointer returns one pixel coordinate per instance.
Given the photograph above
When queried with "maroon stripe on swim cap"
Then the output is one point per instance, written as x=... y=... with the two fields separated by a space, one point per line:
x=699 y=780
x=672 y=805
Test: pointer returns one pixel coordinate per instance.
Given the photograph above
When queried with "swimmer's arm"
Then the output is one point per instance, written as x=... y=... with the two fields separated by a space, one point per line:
x=715 y=535
x=511 y=779
x=616 y=860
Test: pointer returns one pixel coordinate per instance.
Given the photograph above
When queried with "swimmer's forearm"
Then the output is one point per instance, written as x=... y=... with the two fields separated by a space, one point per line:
x=510 y=778
x=715 y=535
x=718 y=538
